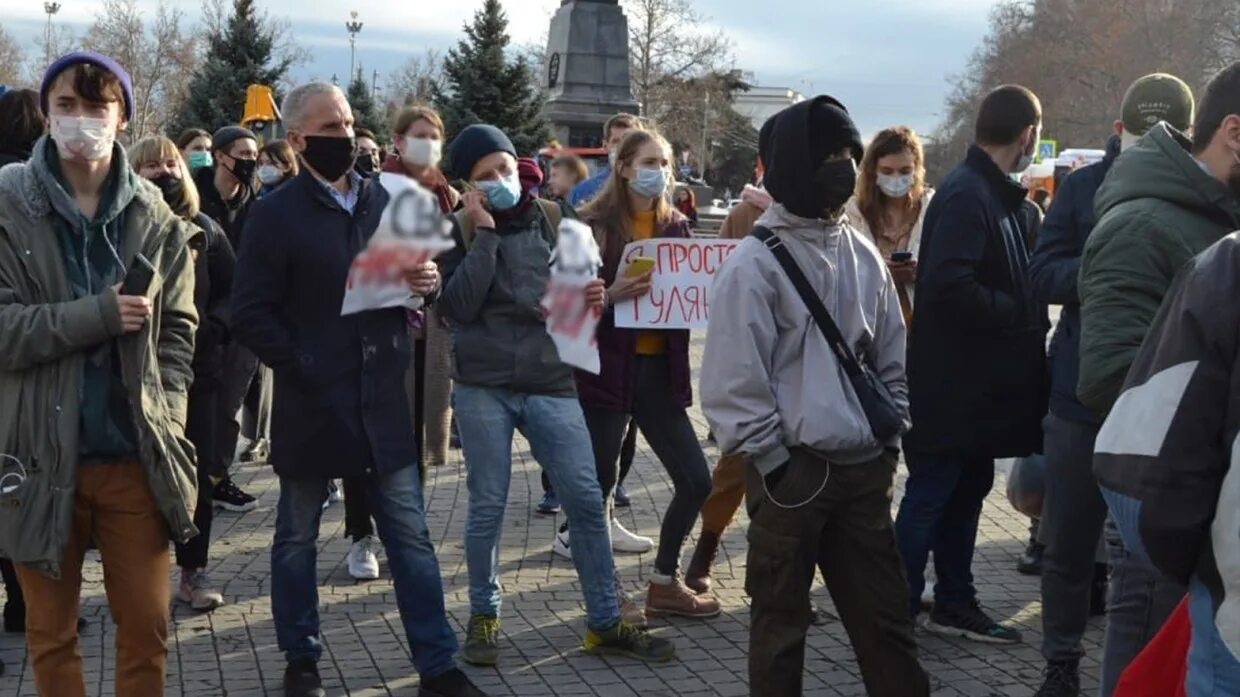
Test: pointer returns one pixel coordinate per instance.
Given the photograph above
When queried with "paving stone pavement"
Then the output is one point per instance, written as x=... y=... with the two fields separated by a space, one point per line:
x=232 y=652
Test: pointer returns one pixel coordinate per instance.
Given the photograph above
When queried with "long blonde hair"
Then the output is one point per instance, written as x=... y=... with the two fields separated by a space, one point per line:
x=611 y=212
x=890 y=141
x=158 y=149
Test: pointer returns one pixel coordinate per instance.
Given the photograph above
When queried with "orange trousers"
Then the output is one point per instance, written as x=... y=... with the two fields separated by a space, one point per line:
x=113 y=504
x=727 y=492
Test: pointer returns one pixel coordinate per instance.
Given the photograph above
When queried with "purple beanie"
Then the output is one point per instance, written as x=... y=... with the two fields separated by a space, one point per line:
x=90 y=58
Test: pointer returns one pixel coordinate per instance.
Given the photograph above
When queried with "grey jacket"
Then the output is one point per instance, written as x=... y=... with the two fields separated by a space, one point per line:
x=492 y=294
x=769 y=380
x=45 y=333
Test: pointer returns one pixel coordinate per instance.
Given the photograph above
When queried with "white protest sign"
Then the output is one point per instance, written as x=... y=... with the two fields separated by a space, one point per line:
x=412 y=231
x=679 y=296
x=574 y=263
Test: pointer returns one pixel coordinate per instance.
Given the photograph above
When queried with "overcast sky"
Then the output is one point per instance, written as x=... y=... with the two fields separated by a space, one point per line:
x=887 y=60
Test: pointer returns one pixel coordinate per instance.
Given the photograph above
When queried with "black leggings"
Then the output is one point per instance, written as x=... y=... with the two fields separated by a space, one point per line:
x=628 y=450
x=201 y=428
x=670 y=434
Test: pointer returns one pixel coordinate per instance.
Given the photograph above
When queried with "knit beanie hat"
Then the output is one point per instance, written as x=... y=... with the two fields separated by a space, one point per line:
x=831 y=130
x=475 y=143
x=1157 y=97
x=228 y=135
x=87 y=58
x=530 y=174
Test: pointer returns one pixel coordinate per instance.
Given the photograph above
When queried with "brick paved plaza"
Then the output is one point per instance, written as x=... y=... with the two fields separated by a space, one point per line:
x=233 y=651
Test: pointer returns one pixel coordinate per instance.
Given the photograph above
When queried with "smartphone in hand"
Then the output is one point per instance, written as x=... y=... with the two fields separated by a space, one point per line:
x=639 y=266
x=900 y=257
x=138 y=278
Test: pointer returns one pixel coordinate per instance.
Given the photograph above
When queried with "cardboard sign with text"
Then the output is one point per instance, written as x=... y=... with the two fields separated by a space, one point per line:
x=679 y=296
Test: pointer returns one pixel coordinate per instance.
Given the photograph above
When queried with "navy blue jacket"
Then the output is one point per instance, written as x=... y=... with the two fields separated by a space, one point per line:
x=976 y=355
x=340 y=406
x=1053 y=271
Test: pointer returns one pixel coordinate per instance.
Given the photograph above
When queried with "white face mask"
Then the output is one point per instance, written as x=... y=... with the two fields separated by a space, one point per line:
x=422 y=152
x=82 y=138
x=270 y=174
x=895 y=185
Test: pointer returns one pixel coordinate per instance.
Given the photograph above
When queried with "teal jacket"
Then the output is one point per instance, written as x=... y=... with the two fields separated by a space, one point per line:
x=46 y=334
x=1157 y=209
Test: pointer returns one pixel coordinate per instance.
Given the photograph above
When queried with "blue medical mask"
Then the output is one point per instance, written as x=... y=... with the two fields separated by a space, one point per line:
x=649 y=182
x=502 y=193
x=200 y=158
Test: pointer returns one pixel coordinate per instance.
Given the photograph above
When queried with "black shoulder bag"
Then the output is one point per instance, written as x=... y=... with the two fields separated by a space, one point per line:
x=880 y=409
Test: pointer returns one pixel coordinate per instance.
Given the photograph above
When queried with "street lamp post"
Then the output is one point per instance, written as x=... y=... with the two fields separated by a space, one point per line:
x=50 y=8
x=353 y=27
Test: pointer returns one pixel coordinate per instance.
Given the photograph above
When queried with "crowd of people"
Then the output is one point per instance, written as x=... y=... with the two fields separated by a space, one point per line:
x=167 y=305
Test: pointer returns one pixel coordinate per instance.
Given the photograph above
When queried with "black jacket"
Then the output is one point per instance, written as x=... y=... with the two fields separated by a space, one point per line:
x=1053 y=271
x=229 y=215
x=340 y=406
x=8 y=156
x=976 y=357
x=214 y=262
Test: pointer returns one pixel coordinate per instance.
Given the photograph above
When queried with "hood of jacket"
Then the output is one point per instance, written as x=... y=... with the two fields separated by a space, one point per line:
x=1161 y=166
x=755 y=196
x=791 y=172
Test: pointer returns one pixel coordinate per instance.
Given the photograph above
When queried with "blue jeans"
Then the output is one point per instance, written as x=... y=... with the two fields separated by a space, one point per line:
x=559 y=441
x=1213 y=670
x=942 y=503
x=396 y=502
x=1141 y=598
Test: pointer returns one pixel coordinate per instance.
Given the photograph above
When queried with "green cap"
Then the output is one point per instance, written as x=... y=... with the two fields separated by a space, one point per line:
x=1154 y=98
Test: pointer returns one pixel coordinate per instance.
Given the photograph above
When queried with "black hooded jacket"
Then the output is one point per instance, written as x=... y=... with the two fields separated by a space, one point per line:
x=801 y=138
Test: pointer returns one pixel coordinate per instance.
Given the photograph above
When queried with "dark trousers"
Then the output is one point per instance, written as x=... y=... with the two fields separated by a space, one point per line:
x=357 y=520
x=1073 y=513
x=670 y=434
x=201 y=422
x=240 y=368
x=940 y=511
x=628 y=451
x=845 y=530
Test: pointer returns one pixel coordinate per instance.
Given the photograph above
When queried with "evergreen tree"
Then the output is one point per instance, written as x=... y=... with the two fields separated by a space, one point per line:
x=243 y=55
x=366 y=113
x=484 y=86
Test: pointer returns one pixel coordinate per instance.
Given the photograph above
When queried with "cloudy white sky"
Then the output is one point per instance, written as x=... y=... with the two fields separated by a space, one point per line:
x=888 y=60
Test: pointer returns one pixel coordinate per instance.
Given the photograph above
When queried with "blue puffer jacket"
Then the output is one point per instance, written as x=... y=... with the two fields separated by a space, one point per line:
x=1053 y=271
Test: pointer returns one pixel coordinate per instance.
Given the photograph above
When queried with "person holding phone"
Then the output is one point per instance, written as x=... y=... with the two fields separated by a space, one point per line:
x=645 y=374
x=889 y=206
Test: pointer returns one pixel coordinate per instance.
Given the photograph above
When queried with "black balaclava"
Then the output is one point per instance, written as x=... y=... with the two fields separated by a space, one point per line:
x=802 y=137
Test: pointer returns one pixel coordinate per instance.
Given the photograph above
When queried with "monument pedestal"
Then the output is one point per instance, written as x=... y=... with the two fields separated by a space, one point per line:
x=587 y=71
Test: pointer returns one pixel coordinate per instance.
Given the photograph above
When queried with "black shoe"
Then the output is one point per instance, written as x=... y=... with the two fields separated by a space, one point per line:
x=1030 y=563
x=971 y=623
x=453 y=683
x=621 y=498
x=1062 y=680
x=1098 y=591
x=301 y=679
x=231 y=498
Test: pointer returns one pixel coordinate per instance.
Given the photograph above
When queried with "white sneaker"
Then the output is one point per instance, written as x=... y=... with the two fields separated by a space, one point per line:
x=560 y=547
x=624 y=541
x=335 y=493
x=363 y=564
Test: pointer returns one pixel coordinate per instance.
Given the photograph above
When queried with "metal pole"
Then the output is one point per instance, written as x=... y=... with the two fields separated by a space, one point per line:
x=353 y=27
x=50 y=8
x=705 y=123
x=374 y=84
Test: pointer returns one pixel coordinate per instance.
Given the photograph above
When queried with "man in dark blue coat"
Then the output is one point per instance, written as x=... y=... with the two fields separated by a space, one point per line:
x=1073 y=510
x=340 y=406
x=976 y=361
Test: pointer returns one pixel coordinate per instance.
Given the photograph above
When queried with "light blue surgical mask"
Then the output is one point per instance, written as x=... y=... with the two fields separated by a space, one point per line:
x=502 y=193
x=200 y=158
x=649 y=182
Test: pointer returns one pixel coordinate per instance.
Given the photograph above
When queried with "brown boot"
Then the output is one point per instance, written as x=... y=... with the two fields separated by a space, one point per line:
x=697 y=577
x=675 y=598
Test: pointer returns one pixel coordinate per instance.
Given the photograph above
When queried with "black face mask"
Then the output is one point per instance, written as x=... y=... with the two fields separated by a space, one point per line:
x=243 y=170
x=835 y=181
x=366 y=165
x=330 y=156
x=171 y=187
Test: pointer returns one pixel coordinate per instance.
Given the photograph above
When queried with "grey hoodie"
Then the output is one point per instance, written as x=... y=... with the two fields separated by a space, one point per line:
x=769 y=380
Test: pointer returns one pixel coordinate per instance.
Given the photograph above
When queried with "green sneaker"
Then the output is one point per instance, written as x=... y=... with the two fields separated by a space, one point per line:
x=482 y=644
x=626 y=640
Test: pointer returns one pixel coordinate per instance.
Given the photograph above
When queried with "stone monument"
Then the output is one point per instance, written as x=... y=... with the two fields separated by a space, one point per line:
x=587 y=70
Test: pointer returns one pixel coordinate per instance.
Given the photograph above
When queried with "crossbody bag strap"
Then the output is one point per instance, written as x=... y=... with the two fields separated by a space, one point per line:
x=816 y=309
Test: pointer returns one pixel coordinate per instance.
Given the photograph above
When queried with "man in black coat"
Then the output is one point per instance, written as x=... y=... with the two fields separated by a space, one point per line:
x=976 y=361
x=340 y=403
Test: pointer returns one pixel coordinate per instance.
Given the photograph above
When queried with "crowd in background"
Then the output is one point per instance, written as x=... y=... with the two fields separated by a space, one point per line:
x=174 y=307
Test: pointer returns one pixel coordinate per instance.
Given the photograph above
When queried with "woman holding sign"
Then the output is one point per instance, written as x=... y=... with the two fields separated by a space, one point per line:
x=645 y=373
